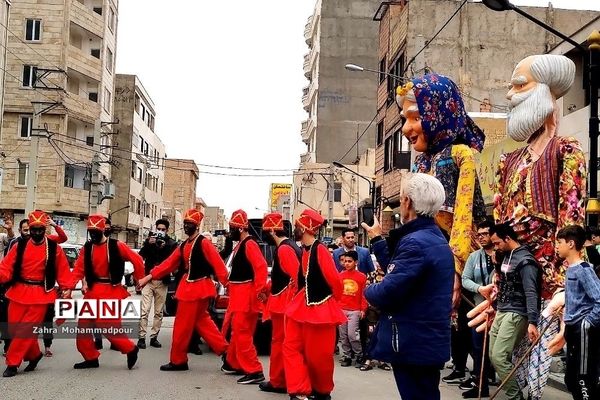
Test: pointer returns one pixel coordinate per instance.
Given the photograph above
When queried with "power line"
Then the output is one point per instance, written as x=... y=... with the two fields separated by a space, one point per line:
x=360 y=137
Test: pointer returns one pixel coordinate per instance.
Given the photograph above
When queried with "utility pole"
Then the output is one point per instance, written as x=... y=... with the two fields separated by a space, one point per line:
x=95 y=171
x=145 y=168
x=331 y=195
x=32 y=167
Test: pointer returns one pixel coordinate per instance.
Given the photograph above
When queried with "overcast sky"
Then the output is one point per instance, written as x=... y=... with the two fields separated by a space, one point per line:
x=227 y=79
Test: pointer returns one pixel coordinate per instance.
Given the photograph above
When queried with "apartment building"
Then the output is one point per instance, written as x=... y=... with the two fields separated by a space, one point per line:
x=4 y=20
x=181 y=178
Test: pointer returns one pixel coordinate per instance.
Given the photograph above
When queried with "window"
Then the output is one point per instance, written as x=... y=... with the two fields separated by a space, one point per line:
x=380 y=133
x=109 y=60
x=388 y=154
x=337 y=192
x=142 y=111
x=98 y=10
x=95 y=53
x=22 y=174
x=402 y=154
x=89 y=140
x=133 y=169
x=33 y=30
x=93 y=97
x=111 y=19
x=69 y=176
x=382 y=67
x=26 y=126
x=29 y=75
x=397 y=70
x=107 y=100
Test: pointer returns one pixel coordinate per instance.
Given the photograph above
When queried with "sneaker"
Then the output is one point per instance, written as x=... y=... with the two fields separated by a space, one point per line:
x=141 y=343
x=251 y=378
x=468 y=384
x=268 y=387
x=455 y=377
x=87 y=364
x=346 y=362
x=174 y=367
x=473 y=393
x=155 y=343
x=9 y=372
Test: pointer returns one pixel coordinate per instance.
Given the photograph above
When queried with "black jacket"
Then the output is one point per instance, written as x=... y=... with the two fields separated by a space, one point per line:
x=154 y=255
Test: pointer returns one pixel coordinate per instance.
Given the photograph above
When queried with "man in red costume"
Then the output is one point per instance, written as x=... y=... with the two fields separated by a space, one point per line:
x=312 y=317
x=33 y=267
x=102 y=264
x=284 y=273
x=247 y=290
x=200 y=260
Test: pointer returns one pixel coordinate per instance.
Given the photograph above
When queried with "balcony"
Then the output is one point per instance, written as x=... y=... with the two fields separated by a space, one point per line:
x=305 y=101
x=81 y=108
x=85 y=64
x=308 y=31
x=307 y=66
x=87 y=19
x=306 y=158
x=304 y=131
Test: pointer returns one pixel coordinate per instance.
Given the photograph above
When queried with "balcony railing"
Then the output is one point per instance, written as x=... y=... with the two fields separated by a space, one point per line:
x=84 y=63
x=307 y=66
x=87 y=18
x=81 y=108
x=308 y=31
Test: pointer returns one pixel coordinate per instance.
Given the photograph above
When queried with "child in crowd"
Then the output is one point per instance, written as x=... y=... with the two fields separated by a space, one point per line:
x=354 y=305
x=581 y=316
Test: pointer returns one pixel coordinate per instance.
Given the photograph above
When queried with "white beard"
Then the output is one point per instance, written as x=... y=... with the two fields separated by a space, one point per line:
x=528 y=111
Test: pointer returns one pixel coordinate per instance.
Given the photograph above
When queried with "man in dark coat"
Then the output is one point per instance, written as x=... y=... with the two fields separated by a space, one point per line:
x=415 y=297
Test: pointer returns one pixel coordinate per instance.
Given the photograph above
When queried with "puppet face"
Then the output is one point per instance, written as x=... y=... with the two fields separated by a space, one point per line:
x=412 y=128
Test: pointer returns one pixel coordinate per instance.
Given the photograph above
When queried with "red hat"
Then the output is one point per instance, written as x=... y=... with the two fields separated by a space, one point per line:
x=194 y=216
x=310 y=220
x=96 y=222
x=239 y=219
x=37 y=218
x=273 y=221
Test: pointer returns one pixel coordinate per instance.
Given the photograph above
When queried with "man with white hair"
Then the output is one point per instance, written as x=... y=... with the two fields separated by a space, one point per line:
x=420 y=272
x=540 y=188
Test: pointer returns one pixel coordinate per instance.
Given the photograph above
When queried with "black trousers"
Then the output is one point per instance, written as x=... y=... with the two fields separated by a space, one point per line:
x=4 y=319
x=417 y=382
x=48 y=319
x=583 y=350
x=461 y=338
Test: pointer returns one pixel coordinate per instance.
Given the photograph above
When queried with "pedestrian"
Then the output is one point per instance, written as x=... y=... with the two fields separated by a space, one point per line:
x=312 y=317
x=354 y=305
x=156 y=248
x=477 y=275
x=286 y=262
x=365 y=263
x=581 y=317
x=33 y=267
x=199 y=260
x=102 y=263
x=247 y=291
x=518 y=303
x=415 y=296
x=5 y=237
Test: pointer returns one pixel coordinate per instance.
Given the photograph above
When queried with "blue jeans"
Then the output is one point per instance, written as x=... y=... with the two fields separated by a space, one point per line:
x=416 y=382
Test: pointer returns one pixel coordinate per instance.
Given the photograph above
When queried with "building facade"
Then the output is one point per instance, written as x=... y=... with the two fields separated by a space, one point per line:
x=340 y=103
x=181 y=178
x=4 y=20
x=139 y=174
x=480 y=61
x=214 y=221
x=60 y=62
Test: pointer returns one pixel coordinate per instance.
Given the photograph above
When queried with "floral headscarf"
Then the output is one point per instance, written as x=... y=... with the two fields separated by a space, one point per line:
x=444 y=118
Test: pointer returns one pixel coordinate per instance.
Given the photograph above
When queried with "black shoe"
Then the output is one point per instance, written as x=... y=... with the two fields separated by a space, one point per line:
x=228 y=369
x=268 y=387
x=174 y=367
x=251 y=378
x=494 y=382
x=318 y=396
x=9 y=372
x=155 y=343
x=132 y=357
x=98 y=344
x=468 y=384
x=473 y=393
x=197 y=351
x=455 y=377
x=87 y=364
x=33 y=363
x=141 y=344
x=346 y=362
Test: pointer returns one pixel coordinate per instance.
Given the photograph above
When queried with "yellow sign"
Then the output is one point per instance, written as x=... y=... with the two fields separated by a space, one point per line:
x=278 y=190
x=487 y=165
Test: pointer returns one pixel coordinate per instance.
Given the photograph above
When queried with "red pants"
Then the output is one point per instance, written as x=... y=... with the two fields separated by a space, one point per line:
x=308 y=357
x=24 y=345
x=194 y=315
x=85 y=342
x=242 y=353
x=276 y=369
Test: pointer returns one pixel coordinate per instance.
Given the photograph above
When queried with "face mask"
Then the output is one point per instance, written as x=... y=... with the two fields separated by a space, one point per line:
x=96 y=236
x=37 y=235
x=236 y=235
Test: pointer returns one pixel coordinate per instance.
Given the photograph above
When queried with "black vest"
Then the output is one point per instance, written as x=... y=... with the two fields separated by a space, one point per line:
x=49 y=271
x=116 y=264
x=241 y=269
x=197 y=265
x=317 y=288
x=510 y=286
x=279 y=279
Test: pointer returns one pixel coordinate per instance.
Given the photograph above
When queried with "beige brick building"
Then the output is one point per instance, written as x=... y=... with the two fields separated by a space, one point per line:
x=139 y=175
x=67 y=44
x=4 y=20
x=181 y=177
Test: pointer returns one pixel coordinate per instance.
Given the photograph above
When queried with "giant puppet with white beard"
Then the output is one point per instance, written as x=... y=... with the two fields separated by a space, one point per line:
x=540 y=188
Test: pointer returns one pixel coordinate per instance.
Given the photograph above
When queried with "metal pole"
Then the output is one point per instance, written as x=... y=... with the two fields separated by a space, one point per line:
x=331 y=194
x=142 y=205
x=32 y=167
x=594 y=70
